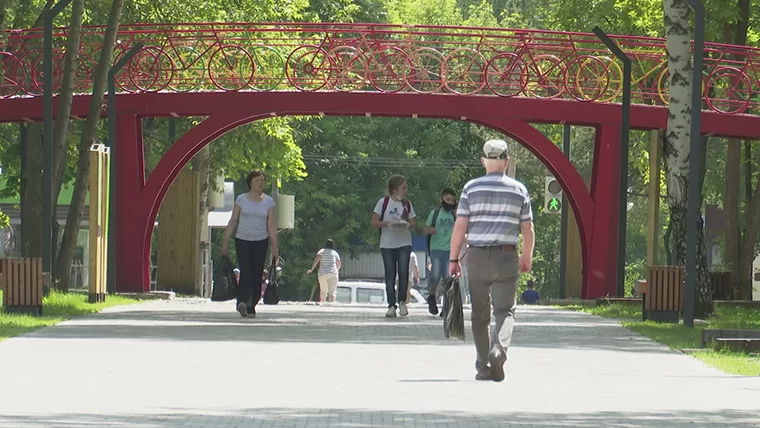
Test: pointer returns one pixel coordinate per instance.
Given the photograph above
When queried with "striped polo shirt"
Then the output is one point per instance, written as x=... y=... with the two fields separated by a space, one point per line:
x=495 y=204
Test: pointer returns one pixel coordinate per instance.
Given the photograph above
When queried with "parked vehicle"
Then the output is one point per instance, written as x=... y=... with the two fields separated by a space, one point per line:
x=369 y=292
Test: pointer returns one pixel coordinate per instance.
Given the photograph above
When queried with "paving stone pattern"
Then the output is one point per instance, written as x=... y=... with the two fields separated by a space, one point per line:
x=191 y=363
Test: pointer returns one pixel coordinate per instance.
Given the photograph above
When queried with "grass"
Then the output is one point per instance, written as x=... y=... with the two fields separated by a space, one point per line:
x=679 y=337
x=56 y=307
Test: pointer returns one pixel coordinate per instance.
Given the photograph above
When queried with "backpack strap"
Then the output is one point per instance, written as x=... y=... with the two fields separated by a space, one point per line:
x=382 y=214
x=385 y=206
x=432 y=224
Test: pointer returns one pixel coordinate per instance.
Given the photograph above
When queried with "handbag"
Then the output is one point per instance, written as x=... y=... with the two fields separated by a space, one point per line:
x=272 y=294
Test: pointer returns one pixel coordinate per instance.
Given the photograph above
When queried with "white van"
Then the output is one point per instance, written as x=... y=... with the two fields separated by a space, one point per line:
x=366 y=292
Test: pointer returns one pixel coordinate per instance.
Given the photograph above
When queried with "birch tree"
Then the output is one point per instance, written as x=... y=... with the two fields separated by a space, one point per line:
x=677 y=150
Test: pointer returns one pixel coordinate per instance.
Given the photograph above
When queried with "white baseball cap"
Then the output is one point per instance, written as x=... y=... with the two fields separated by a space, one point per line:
x=495 y=149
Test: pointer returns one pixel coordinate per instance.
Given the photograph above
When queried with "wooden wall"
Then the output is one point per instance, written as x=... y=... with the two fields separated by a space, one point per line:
x=179 y=235
x=574 y=266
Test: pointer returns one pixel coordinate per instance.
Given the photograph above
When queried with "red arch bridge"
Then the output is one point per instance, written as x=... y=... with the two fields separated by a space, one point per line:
x=506 y=79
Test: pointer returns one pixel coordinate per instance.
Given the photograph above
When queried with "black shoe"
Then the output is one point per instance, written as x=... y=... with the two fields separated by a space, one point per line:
x=252 y=312
x=496 y=359
x=433 y=305
x=481 y=376
x=242 y=310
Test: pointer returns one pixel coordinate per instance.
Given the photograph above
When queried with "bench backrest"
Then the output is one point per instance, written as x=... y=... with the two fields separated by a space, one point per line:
x=21 y=280
x=666 y=288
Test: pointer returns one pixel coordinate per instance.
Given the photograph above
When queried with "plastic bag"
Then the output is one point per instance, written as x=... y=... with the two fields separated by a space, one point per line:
x=271 y=294
x=225 y=284
x=453 y=312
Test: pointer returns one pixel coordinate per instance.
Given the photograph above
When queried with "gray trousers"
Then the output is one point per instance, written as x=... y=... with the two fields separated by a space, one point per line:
x=492 y=275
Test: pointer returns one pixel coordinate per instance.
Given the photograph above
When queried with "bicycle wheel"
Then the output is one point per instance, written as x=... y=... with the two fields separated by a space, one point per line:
x=465 y=71
x=428 y=71
x=506 y=75
x=615 y=77
x=729 y=90
x=387 y=69
x=231 y=68
x=546 y=79
x=587 y=78
x=308 y=68
x=38 y=73
x=663 y=85
x=348 y=70
x=151 y=70
x=269 y=68
x=11 y=75
x=189 y=69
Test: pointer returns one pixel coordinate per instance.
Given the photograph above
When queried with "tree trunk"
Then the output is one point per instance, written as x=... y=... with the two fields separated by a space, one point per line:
x=63 y=113
x=677 y=138
x=747 y=171
x=739 y=263
x=31 y=186
x=31 y=193
x=747 y=249
x=76 y=209
x=202 y=163
x=731 y=208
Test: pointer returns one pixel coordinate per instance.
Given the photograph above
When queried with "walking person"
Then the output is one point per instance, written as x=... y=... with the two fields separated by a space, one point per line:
x=414 y=275
x=440 y=225
x=493 y=211
x=253 y=223
x=394 y=216
x=329 y=265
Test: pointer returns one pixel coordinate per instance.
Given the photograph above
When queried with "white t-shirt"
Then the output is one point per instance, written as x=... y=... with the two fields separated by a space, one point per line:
x=395 y=237
x=254 y=217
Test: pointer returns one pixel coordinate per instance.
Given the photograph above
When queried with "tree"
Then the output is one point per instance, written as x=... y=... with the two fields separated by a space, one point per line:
x=66 y=97
x=740 y=251
x=76 y=209
x=676 y=150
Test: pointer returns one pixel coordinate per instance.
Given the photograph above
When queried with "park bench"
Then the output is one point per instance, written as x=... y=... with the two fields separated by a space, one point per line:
x=663 y=293
x=735 y=339
x=721 y=286
x=21 y=281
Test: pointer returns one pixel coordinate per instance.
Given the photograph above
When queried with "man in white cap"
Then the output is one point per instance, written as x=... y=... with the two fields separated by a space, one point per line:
x=493 y=211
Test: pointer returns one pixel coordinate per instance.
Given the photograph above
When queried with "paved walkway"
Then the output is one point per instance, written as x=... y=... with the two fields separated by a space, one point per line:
x=196 y=364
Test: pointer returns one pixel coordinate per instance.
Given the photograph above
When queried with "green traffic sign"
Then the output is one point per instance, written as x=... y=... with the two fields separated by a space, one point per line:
x=554 y=205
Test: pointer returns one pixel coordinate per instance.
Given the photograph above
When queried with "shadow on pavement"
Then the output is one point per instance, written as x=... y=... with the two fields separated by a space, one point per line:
x=536 y=327
x=335 y=418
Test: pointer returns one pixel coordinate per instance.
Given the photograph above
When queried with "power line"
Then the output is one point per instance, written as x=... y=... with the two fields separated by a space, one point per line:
x=391 y=162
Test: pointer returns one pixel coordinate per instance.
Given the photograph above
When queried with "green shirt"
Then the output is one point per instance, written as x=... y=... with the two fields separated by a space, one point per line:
x=444 y=227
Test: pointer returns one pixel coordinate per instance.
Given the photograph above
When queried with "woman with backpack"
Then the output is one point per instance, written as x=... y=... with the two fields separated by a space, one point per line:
x=329 y=266
x=440 y=226
x=394 y=216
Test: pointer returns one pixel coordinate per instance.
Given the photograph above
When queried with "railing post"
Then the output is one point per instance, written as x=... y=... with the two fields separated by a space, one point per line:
x=112 y=72
x=624 y=142
x=695 y=185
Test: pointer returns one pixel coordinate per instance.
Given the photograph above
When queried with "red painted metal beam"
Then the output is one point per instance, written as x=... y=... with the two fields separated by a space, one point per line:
x=424 y=105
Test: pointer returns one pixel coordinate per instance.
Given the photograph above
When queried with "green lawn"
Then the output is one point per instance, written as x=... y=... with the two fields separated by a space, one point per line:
x=677 y=336
x=56 y=308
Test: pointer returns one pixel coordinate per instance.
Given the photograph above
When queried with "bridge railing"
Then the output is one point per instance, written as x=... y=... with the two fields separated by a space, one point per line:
x=189 y=57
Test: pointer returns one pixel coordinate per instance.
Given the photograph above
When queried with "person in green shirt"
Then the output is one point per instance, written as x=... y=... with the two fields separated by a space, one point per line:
x=440 y=225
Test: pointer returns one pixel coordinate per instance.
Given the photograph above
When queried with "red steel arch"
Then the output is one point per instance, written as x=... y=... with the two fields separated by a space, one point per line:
x=140 y=199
